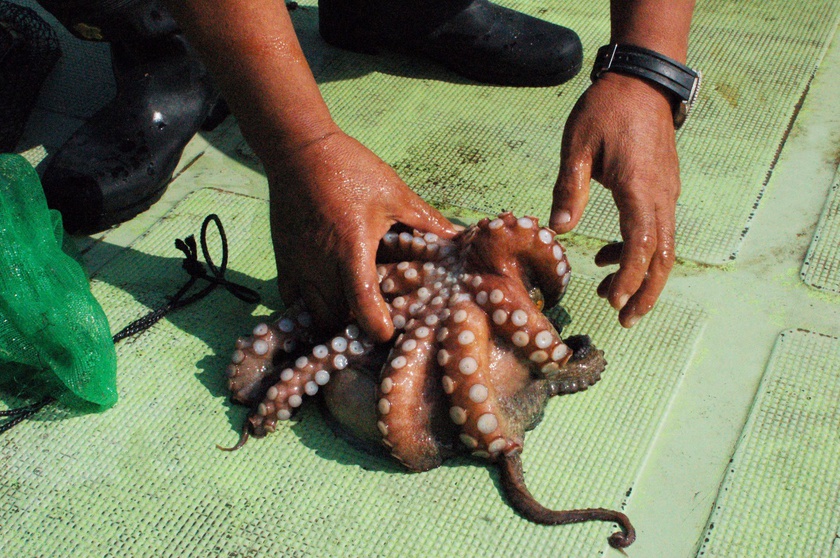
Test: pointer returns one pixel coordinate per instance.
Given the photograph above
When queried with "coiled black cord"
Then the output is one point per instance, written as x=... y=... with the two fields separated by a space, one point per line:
x=212 y=274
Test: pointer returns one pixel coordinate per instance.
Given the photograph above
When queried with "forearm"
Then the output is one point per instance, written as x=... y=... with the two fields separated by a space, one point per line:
x=251 y=48
x=659 y=25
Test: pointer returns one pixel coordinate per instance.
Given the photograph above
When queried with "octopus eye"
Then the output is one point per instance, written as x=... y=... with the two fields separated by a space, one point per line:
x=537 y=298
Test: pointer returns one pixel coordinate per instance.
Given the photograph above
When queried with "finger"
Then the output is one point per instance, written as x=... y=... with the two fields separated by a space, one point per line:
x=657 y=275
x=423 y=217
x=328 y=310
x=289 y=291
x=638 y=229
x=603 y=289
x=361 y=284
x=571 y=191
x=609 y=254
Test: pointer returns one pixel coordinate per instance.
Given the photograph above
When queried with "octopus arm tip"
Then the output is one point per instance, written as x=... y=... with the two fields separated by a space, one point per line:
x=513 y=482
x=243 y=437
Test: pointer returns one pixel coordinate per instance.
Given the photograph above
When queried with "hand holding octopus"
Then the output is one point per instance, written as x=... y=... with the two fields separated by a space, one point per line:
x=471 y=370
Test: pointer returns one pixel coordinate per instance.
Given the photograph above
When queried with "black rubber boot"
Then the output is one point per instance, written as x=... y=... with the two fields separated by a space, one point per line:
x=121 y=160
x=474 y=38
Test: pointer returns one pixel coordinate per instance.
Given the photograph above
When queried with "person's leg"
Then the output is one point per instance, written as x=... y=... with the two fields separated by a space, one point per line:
x=475 y=38
x=121 y=160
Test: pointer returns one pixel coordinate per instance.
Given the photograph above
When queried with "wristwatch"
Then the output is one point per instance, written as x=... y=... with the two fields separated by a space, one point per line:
x=677 y=78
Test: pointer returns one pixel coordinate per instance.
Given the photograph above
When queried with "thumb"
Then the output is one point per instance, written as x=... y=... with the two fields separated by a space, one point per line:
x=361 y=284
x=419 y=215
x=571 y=191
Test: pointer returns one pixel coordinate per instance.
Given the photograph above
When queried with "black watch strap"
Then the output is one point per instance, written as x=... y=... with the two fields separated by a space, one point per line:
x=677 y=78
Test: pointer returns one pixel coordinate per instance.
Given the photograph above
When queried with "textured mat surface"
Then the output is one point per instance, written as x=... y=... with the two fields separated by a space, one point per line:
x=493 y=148
x=145 y=479
x=822 y=263
x=781 y=495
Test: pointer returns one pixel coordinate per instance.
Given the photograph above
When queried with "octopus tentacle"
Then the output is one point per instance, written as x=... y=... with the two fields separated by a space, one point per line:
x=530 y=245
x=253 y=357
x=465 y=359
x=416 y=245
x=306 y=375
x=516 y=319
x=404 y=277
x=513 y=482
x=422 y=303
x=405 y=399
x=583 y=369
x=243 y=438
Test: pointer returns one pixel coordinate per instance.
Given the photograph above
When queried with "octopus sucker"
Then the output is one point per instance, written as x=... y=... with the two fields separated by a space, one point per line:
x=471 y=367
x=473 y=397
x=533 y=334
x=406 y=405
x=253 y=357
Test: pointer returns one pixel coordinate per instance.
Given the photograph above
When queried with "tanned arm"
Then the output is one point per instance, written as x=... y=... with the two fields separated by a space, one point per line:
x=331 y=199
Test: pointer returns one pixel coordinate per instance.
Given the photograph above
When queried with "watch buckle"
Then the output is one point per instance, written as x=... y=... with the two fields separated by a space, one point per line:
x=684 y=107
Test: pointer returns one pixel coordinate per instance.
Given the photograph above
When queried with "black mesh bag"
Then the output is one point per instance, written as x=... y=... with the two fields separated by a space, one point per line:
x=28 y=50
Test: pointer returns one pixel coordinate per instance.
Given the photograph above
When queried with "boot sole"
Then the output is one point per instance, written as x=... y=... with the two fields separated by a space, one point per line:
x=112 y=218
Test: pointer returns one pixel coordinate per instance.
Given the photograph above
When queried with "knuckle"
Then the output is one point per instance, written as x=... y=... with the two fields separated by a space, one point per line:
x=667 y=258
x=645 y=242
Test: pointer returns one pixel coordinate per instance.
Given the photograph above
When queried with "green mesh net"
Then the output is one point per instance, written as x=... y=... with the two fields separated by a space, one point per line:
x=51 y=326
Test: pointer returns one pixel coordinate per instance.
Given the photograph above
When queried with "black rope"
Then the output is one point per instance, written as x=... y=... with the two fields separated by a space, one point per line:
x=17 y=416
x=213 y=275
x=215 y=278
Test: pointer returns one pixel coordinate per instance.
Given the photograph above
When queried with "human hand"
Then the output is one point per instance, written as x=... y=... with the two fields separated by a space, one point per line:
x=621 y=133
x=331 y=203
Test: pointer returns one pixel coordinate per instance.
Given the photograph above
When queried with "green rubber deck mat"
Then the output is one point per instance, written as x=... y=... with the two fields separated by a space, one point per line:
x=781 y=495
x=145 y=478
x=492 y=148
x=822 y=263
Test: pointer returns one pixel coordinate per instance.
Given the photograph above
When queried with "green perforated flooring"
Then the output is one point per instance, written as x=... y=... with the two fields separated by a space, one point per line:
x=655 y=437
x=504 y=150
x=822 y=263
x=781 y=494
x=152 y=459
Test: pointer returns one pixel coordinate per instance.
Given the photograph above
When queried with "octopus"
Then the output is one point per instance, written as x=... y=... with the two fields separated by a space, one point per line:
x=470 y=369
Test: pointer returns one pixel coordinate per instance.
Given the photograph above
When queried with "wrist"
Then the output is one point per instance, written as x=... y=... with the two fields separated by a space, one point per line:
x=677 y=82
x=659 y=25
x=647 y=97
x=285 y=143
x=296 y=167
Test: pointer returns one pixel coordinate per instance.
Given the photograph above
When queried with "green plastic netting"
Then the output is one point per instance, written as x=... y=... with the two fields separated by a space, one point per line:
x=51 y=326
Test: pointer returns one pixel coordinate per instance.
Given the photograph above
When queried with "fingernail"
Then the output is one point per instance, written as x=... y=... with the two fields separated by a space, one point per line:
x=633 y=321
x=563 y=217
x=459 y=228
x=622 y=301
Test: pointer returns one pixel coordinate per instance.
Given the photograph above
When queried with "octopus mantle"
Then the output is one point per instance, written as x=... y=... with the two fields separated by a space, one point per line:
x=471 y=368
